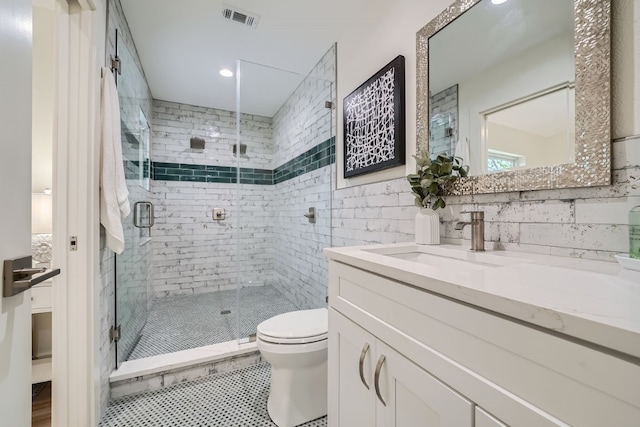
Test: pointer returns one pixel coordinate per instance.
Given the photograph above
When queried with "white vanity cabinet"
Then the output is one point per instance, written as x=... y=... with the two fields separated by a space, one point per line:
x=386 y=389
x=448 y=363
x=484 y=419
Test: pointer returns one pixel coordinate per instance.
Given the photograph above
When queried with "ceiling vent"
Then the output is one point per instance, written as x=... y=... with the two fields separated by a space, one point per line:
x=240 y=16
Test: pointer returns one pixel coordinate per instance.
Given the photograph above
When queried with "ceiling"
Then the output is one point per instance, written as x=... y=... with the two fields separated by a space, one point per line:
x=183 y=45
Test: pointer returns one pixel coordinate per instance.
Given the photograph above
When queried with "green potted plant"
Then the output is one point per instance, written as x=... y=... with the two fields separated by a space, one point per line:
x=430 y=184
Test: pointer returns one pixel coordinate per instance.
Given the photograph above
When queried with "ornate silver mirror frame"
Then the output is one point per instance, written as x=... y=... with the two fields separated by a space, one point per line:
x=592 y=166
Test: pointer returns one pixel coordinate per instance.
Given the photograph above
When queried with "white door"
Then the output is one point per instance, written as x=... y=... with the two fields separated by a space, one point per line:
x=351 y=358
x=414 y=398
x=15 y=207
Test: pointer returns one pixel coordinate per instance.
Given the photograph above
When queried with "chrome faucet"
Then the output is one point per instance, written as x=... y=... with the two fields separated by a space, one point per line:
x=477 y=229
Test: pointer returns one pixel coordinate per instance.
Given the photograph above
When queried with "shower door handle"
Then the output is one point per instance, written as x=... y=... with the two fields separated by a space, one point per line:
x=138 y=217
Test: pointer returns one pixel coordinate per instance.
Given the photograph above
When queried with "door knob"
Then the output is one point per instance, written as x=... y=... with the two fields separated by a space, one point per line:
x=19 y=275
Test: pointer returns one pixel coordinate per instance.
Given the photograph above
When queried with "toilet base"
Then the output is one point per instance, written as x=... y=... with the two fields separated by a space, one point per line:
x=298 y=395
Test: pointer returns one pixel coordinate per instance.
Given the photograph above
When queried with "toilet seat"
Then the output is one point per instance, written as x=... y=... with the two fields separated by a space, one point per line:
x=296 y=327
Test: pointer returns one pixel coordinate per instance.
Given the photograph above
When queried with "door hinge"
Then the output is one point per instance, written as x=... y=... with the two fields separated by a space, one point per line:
x=114 y=334
x=116 y=65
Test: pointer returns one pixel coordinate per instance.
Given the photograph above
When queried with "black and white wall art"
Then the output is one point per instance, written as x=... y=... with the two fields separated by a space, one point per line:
x=374 y=122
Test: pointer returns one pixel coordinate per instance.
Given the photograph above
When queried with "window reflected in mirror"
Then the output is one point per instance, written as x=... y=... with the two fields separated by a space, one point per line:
x=535 y=131
x=501 y=86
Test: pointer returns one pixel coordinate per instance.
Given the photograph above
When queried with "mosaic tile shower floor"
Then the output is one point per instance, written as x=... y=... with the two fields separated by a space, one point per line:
x=190 y=321
x=229 y=399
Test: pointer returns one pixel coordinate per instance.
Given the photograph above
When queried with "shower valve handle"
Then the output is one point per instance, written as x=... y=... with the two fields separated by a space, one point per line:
x=311 y=215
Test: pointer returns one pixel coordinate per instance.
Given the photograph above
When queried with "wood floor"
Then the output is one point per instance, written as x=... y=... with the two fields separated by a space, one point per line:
x=41 y=407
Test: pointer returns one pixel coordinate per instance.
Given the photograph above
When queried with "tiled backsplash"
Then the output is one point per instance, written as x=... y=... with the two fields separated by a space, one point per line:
x=577 y=222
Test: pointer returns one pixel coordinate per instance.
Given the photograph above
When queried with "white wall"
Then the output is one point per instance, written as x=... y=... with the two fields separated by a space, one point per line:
x=386 y=30
x=43 y=95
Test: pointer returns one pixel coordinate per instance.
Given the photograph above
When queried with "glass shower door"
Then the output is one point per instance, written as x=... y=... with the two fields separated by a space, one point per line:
x=286 y=161
x=133 y=265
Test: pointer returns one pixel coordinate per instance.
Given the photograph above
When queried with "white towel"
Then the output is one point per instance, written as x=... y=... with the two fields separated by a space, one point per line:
x=462 y=150
x=114 y=196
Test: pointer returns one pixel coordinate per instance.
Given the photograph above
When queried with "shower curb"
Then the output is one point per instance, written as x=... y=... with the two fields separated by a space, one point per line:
x=175 y=375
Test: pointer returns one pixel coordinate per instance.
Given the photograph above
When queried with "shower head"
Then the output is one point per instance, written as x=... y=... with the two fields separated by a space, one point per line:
x=243 y=148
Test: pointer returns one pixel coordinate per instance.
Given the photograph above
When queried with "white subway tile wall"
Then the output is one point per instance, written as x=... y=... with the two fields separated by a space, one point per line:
x=303 y=122
x=192 y=252
x=174 y=124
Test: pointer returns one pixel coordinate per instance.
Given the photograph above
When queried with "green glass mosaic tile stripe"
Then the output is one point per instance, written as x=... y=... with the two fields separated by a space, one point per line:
x=317 y=157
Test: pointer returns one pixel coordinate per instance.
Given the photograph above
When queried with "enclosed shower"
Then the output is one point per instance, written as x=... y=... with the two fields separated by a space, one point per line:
x=228 y=232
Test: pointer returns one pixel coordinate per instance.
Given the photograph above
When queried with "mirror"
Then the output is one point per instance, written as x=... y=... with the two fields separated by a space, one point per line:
x=520 y=90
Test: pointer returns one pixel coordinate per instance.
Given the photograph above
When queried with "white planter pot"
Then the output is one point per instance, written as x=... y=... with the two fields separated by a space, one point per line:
x=427 y=227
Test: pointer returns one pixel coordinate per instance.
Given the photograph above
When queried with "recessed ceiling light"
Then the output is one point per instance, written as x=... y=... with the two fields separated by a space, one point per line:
x=225 y=72
x=498 y=1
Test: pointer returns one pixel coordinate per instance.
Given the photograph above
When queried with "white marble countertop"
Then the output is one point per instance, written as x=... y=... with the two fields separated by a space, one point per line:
x=595 y=301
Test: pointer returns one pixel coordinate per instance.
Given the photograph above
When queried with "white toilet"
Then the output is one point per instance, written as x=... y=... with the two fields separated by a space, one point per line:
x=295 y=344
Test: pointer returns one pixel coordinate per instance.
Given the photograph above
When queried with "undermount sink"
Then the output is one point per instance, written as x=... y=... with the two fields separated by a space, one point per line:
x=436 y=260
x=446 y=256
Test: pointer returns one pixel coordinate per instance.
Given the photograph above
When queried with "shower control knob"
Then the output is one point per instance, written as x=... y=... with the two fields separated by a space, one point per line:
x=218 y=214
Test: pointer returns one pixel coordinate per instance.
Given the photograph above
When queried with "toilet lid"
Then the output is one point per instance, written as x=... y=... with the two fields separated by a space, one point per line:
x=295 y=327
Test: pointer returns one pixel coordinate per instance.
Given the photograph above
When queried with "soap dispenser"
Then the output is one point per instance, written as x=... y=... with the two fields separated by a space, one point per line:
x=634 y=232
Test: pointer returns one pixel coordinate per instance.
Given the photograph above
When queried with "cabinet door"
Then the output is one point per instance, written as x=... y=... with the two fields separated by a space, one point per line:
x=485 y=419
x=412 y=397
x=351 y=396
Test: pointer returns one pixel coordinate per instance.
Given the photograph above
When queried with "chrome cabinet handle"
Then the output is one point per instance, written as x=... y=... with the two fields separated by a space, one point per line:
x=361 y=365
x=376 y=380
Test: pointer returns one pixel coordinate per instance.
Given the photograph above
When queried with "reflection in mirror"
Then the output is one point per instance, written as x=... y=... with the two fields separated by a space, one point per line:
x=493 y=72
x=520 y=90
x=132 y=91
x=532 y=132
